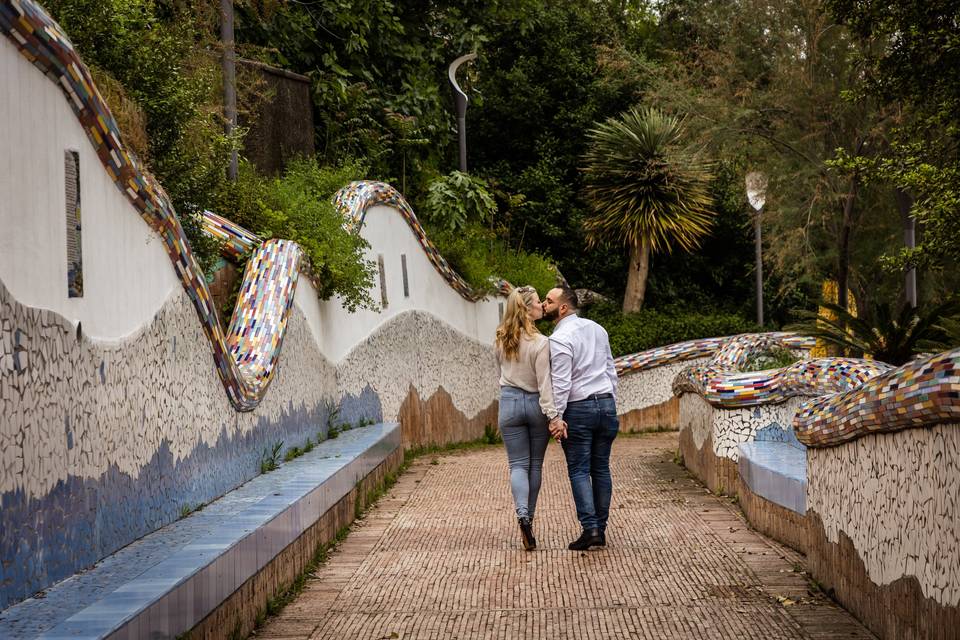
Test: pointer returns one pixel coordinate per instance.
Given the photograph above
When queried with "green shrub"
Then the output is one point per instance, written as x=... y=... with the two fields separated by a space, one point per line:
x=773 y=358
x=477 y=254
x=457 y=199
x=630 y=333
x=298 y=207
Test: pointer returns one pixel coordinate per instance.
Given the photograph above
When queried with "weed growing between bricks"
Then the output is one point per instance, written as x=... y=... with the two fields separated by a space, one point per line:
x=287 y=594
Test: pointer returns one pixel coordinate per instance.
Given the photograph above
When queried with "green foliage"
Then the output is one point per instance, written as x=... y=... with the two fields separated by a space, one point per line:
x=457 y=199
x=538 y=91
x=187 y=508
x=491 y=435
x=892 y=337
x=633 y=332
x=298 y=207
x=644 y=185
x=479 y=256
x=270 y=459
x=773 y=358
x=154 y=52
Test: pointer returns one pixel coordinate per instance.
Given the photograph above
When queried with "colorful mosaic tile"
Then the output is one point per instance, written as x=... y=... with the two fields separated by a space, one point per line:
x=920 y=393
x=722 y=386
x=42 y=42
x=353 y=201
x=236 y=242
x=694 y=349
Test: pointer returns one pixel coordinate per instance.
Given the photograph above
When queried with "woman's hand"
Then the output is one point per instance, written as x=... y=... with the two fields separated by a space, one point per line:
x=558 y=428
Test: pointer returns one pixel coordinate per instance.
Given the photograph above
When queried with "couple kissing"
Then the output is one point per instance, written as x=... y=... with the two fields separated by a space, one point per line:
x=563 y=387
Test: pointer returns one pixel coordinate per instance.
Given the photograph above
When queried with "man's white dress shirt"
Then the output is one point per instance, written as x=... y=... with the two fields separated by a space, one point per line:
x=580 y=360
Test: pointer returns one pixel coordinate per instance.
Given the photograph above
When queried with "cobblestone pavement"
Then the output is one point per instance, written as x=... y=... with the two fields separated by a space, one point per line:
x=440 y=557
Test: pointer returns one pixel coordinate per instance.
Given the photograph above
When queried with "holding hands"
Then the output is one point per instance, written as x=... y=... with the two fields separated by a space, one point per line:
x=558 y=428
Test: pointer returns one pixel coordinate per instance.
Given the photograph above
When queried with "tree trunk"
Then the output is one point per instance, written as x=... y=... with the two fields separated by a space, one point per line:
x=637 y=277
x=843 y=248
x=904 y=203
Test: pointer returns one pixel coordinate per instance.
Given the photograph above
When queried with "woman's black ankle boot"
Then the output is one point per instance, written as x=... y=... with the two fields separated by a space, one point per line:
x=526 y=533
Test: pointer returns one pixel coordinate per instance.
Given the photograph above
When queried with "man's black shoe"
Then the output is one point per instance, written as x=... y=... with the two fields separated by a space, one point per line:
x=526 y=532
x=589 y=538
x=603 y=539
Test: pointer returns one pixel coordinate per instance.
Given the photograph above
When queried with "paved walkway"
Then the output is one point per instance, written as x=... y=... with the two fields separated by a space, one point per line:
x=440 y=557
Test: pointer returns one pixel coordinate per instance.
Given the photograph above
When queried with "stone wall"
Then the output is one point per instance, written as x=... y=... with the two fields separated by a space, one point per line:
x=282 y=126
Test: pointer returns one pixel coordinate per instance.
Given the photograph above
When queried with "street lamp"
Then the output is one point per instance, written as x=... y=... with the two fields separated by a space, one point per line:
x=757 y=196
x=460 y=98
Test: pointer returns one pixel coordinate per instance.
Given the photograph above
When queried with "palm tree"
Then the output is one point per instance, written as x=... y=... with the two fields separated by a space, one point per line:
x=647 y=191
x=892 y=338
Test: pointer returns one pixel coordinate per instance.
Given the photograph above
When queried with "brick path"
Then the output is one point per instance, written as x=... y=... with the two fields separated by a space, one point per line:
x=440 y=557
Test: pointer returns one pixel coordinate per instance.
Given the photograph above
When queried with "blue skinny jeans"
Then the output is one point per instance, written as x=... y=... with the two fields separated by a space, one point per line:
x=525 y=434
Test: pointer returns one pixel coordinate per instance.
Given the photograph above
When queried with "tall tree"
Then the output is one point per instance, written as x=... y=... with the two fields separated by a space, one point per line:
x=911 y=62
x=769 y=83
x=647 y=190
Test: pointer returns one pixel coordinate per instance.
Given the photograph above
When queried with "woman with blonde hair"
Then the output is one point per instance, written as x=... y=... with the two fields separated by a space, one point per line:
x=526 y=401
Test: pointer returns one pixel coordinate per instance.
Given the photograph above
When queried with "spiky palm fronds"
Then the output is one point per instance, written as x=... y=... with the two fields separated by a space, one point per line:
x=891 y=339
x=644 y=185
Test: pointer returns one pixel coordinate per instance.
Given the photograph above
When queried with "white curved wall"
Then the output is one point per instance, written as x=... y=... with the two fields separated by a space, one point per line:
x=127 y=276
x=390 y=235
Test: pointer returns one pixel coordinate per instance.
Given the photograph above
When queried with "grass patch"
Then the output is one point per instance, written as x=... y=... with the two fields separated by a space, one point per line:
x=270 y=459
x=187 y=508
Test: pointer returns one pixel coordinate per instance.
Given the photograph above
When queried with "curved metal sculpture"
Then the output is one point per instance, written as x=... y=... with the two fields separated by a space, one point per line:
x=460 y=100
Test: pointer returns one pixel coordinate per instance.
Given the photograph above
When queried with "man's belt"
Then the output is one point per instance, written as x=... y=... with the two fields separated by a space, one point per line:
x=593 y=396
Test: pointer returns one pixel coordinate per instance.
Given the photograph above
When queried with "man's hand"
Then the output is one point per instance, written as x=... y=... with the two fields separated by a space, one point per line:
x=558 y=428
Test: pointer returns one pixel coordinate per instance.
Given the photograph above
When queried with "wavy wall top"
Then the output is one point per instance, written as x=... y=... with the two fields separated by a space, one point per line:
x=703 y=348
x=722 y=385
x=246 y=354
x=353 y=201
x=921 y=393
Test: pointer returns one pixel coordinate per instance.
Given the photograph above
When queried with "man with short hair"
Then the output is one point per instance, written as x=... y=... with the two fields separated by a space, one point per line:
x=584 y=390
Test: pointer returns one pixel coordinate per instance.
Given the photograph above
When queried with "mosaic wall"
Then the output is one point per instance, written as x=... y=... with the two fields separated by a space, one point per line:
x=101 y=444
x=147 y=421
x=649 y=387
x=732 y=427
x=904 y=515
x=920 y=393
x=722 y=385
x=415 y=349
x=734 y=347
x=41 y=41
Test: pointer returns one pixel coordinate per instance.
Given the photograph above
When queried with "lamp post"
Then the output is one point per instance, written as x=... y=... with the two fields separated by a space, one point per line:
x=756 y=184
x=460 y=98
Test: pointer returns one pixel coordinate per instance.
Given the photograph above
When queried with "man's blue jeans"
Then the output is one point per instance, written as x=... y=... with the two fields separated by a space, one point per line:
x=592 y=426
